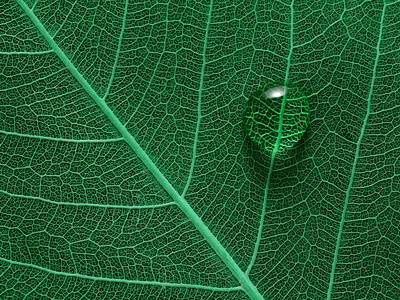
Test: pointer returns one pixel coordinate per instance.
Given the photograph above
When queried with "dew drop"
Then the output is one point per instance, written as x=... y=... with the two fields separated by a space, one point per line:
x=276 y=116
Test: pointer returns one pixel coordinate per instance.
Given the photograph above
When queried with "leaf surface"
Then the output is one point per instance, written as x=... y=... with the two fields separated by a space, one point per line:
x=125 y=173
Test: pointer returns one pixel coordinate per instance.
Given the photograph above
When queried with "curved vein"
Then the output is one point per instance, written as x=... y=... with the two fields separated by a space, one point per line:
x=126 y=281
x=196 y=135
x=356 y=157
x=118 y=51
x=31 y=136
x=153 y=75
x=275 y=150
x=26 y=52
x=89 y=204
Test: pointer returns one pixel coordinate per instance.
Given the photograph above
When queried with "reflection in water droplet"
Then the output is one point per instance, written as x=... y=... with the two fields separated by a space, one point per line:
x=274 y=92
x=275 y=116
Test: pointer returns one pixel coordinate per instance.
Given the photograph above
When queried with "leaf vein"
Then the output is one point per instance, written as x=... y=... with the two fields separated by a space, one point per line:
x=126 y=281
x=356 y=156
x=244 y=280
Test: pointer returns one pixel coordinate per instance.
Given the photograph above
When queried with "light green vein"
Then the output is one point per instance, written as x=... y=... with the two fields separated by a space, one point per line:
x=34 y=5
x=31 y=136
x=33 y=81
x=27 y=53
x=276 y=148
x=118 y=51
x=196 y=135
x=247 y=285
x=90 y=204
x=154 y=71
x=126 y=281
x=263 y=213
x=357 y=155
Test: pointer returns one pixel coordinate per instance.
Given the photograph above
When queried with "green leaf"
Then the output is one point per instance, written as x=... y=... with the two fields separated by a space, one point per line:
x=125 y=172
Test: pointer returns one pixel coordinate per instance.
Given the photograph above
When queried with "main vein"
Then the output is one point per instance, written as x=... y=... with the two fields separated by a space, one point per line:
x=245 y=282
x=357 y=155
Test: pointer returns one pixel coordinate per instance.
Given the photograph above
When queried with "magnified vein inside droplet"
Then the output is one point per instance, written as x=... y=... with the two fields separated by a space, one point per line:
x=263 y=122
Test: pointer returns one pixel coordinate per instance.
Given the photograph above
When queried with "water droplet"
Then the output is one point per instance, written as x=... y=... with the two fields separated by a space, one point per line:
x=276 y=116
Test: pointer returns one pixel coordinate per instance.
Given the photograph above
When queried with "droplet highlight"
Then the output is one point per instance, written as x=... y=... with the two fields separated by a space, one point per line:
x=276 y=116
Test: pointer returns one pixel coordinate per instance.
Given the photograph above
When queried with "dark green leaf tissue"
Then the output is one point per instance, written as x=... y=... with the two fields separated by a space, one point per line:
x=146 y=151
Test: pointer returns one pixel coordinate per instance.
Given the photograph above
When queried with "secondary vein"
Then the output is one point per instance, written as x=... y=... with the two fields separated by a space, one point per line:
x=196 y=135
x=356 y=157
x=31 y=136
x=126 y=281
x=153 y=206
x=118 y=51
x=275 y=150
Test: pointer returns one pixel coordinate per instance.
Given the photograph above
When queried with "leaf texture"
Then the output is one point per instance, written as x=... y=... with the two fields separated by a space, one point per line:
x=125 y=173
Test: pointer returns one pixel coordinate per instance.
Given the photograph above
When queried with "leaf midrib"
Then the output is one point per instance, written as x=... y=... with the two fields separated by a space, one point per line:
x=244 y=280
